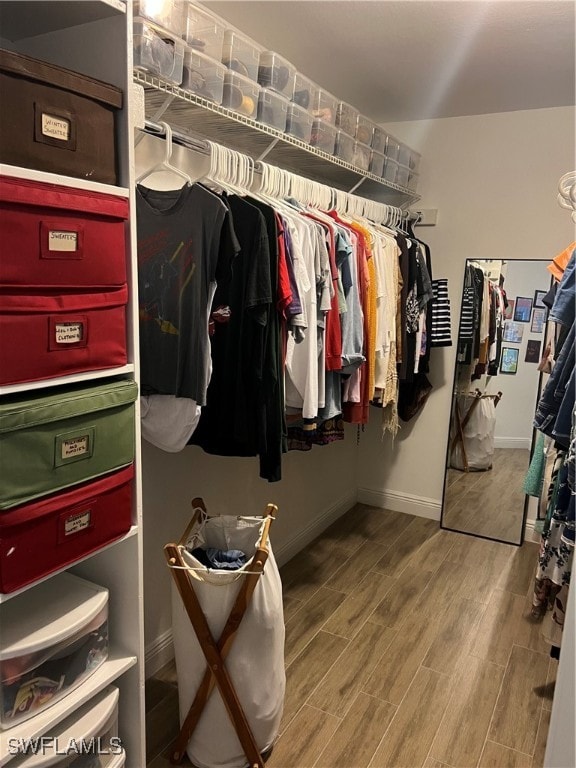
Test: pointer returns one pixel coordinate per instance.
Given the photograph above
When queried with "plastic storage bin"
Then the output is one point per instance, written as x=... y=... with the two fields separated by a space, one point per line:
x=53 y=637
x=414 y=161
x=304 y=91
x=323 y=136
x=240 y=94
x=364 y=130
x=324 y=106
x=277 y=73
x=404 y=153
x=203 y=32
x=344 y=148
x=241 y=54
x=413 y=179
x=45 y=535
x=361 y=157
x=392 y=148
x=56 y=120
x=272 y=109
x=157 y=52
x=72 y=435
x=203 y=76
x=166 y=13
x=86 y=739
x=299 y=123
x=379 y=140
x=346 y=118
x=59 y=237
x=390 y=169
x=376 y=163
x=402 y=175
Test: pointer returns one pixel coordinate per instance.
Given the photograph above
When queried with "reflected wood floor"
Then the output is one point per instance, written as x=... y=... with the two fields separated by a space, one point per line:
x=407 y=646
x=489 y=503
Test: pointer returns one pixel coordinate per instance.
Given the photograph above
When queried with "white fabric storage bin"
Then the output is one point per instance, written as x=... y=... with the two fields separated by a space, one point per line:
x=478 y=435
x=240 y=94
x=157 y=52
x=203 y=76
x=272 y=109
x=53 y=637
x=256 y=659
x=86 y=739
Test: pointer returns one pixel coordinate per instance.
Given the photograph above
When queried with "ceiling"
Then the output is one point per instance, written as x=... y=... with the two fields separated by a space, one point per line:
x=414 y=59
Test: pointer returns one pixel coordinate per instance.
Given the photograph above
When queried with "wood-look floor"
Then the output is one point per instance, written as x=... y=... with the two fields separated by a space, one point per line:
x=407 y=646
x=489 y=503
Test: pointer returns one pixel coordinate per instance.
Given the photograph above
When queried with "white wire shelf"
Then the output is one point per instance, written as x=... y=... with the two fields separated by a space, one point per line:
x=190 y=113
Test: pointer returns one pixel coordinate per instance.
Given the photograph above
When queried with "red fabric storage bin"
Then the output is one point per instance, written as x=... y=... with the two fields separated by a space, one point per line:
x=46 y=336
x=59 y=237
x=48 y=534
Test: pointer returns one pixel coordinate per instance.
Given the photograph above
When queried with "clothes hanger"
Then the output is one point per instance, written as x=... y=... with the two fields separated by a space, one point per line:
x=165 y=164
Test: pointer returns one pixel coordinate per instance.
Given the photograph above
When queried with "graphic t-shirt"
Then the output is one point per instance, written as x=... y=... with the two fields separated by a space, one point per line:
x=185 y=244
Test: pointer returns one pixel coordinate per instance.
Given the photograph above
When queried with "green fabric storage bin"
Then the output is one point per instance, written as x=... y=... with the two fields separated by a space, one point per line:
x=50 y=442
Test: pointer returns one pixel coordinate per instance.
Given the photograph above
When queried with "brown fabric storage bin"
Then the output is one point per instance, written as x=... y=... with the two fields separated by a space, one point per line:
x=56 y=120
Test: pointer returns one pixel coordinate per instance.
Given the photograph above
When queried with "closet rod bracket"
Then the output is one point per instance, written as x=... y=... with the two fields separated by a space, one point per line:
x=358 y=183
x=267 y=150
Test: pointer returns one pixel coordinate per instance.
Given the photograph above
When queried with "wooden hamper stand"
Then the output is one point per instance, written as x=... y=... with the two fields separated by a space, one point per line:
x=217 y=651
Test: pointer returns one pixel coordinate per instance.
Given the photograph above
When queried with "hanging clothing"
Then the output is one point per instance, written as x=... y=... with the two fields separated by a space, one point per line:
x=440 y=330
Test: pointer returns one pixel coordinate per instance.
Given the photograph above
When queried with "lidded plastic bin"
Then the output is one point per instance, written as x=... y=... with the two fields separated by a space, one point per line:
x=344 y=148
x=413 y=179
x=240 y=94
x=277 y=73
x=324 y=106
x=347 y=117
x=299 y=123
x=158 y=52
x=364 y=130
x=404 y=153
x=379 y=139
x=402 y=175
x=272 y=109
x=168 y=14
x=323 y=136
x=203 y=76
x=86 y=739
x=54 y=636
x=414 y=161
x=392 y=147
x=240 y=54
x=361 y=157
x=390 y=169
x=203 y=31
x=305 y=91
x=376 y=163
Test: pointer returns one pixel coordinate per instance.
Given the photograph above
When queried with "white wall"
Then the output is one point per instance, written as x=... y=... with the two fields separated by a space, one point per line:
x=493 y=179
x=519 y=391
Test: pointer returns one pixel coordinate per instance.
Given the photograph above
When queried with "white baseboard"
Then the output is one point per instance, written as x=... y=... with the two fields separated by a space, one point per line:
x=421 y=506
x=161 y=650
x=513 y=442
x=159 y=653
x=529 y=533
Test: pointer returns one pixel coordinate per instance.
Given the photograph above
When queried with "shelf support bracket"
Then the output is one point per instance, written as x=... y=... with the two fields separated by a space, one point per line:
x=267 y=150
x=162 y=109
x=355 y=187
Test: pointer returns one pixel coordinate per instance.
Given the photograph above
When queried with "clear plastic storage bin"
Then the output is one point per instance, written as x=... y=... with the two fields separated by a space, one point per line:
x=344 y=148
x=324 y=106
x=305 y=91
x=203 y=76
x=323 y=136
x=392 y=148
x=240 y=94
x=272 y=109
x=414 y=161
x=376 y=163
x=53 y=637
x=364 y=130
x=379 y=140
x=157 y=52
x=402 y=175
x=346 y=118
x=203 y=31
x=413 y=179
x=299 y=123
x=390 y=169
x=404 y=153
x=361 y=158
x=86 y=739
x=277 y=73
x=168 y=14
x=240 y=54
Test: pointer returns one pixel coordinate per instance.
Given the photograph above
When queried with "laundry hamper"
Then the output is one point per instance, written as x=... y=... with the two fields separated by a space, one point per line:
x=234 y=620
x=474 y=421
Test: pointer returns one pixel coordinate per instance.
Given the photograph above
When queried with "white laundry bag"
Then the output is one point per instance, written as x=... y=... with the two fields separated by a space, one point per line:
x=256 y=659
x=478 y=435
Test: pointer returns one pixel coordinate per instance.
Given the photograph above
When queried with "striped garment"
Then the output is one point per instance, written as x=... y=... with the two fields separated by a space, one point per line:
x=440 y=333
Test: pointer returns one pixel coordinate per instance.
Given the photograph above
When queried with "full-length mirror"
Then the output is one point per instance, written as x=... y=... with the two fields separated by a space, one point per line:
x=501 y=341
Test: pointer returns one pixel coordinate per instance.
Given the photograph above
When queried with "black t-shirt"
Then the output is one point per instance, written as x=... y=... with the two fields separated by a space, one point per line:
x=185 y=244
